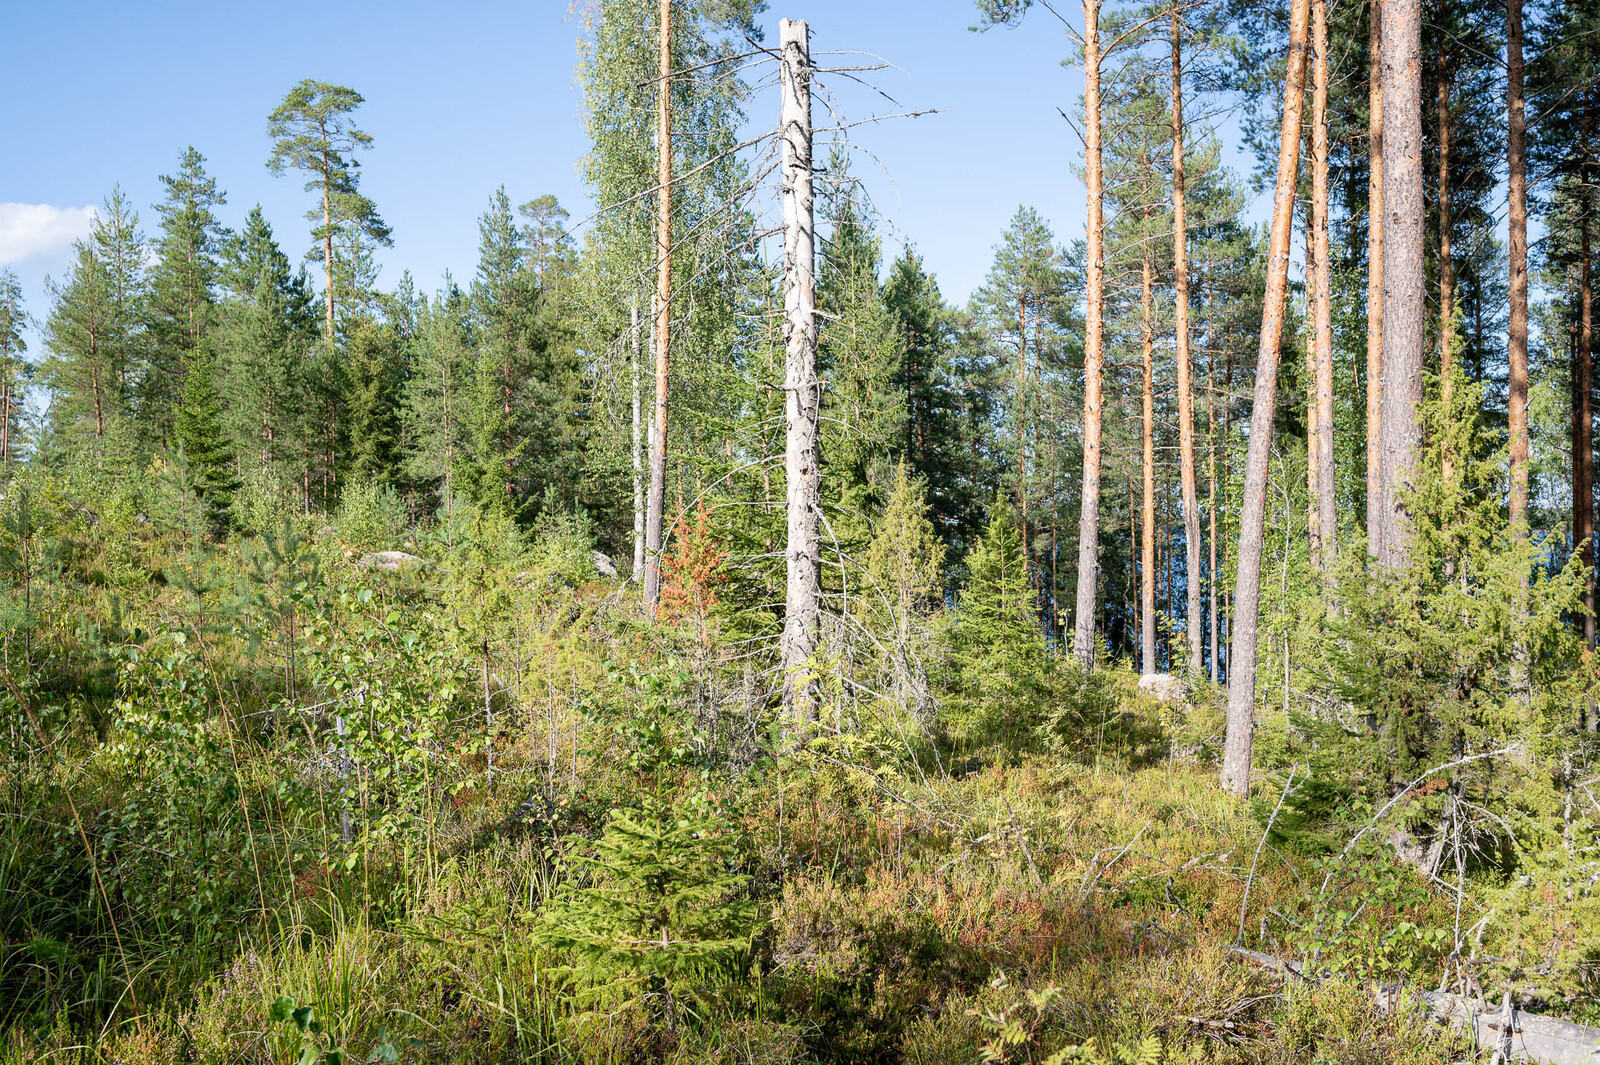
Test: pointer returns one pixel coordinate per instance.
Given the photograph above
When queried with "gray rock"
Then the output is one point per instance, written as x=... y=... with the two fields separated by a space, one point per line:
x=604 y=566
x=388 y=560
x=1166 y=688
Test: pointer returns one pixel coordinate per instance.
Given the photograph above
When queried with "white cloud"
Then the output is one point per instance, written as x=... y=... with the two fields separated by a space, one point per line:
x=29 y=229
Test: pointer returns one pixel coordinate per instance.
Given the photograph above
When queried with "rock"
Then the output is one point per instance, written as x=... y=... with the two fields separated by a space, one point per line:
x=604 y=566
x=388 y=560
x=1166 y=688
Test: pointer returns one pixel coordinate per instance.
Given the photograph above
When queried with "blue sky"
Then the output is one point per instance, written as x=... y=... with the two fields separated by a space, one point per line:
x=463 y=97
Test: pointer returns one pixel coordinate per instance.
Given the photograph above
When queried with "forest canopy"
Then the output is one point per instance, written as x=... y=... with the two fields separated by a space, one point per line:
x=689 y=635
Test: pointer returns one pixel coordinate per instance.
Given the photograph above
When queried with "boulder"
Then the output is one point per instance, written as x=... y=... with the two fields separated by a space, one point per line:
x=387 y=560
x=604 y=566
x=1164 y=687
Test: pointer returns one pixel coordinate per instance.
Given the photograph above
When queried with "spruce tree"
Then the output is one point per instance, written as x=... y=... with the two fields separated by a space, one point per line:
x=265 y=327
x=207 y=452
x=182 y=283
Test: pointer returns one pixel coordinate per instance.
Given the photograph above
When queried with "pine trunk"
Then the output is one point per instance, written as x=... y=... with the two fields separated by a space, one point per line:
x=802 y=393
x=1194 y=628
x=1083 y=636
x=1583 y=424
x=1252 y=518
x=1517 y=340
x=1147 y=531
x=656 y=503
x=1404 y=292
x=1447 y=311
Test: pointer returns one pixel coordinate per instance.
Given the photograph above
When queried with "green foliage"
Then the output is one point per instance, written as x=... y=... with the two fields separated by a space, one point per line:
x=206 y=449
x=372 y=517
x=658 y=908
x=995 y=647
x=316 y=1047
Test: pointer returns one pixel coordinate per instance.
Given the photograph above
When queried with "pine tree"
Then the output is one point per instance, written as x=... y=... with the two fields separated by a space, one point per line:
x=14 y=368
x=95 y=342
x=312 y=131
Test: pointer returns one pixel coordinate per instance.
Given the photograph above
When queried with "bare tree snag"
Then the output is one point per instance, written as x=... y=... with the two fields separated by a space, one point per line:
x=1404 y=292
x=1252 y=515
x=1083 y=634
x=663 y=308
x=802 y=610
x=1322 y=305
x=1374 y=277
x=1194 y=624
x=636 y=436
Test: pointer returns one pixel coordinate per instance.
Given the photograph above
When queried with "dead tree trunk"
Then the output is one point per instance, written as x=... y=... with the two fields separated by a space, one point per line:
x=1083 y=635
x=1404 y=294
x=656 y=503
x=1517 y=340
x=1252 y=515
x=635 y=437
x=1180 y=287
x=1374 y=277
x=802 y=609
x=1322 y=308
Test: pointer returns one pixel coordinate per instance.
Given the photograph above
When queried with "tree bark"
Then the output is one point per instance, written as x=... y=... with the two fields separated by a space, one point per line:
x=1322 y=309
x=1583 y=422
x=1252 y=516
x=656 y=503
x=1180 y=286
x=1447 y=312
x=1211 y=491
x=1083 y=636
x=1147 y=531
x=1517 y=342
x=1404 y=300
x=1374 y=277
x=327 y=231
x=635 y=437
x=802 y=393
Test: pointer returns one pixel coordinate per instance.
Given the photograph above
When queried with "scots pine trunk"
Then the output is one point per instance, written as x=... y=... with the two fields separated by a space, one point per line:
x=1252 y=516
x=1194 y=625
x=656 y=503
x=1322 y=307
x=1447 y=311
x=1083 y=635
x=1583 y=419
x=1374 y=277
x=802 y=392
x=1404 y=292
x=1147 y=532
x=1517 y=339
